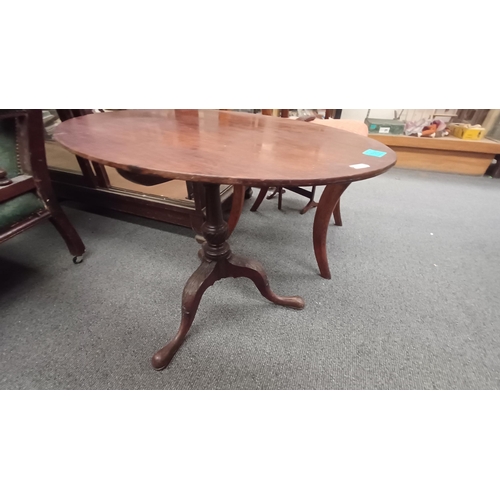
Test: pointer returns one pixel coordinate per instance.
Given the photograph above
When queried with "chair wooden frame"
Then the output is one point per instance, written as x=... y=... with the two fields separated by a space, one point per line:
x=35 y=178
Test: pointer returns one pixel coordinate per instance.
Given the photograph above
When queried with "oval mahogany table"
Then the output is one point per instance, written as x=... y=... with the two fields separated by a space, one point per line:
x=223 y=147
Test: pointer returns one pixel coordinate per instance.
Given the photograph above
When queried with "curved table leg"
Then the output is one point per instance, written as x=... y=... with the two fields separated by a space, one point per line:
x=236 y=207
x=217 y=262
x=205 y=276
x=336 y=214
x=327 y=203
x=260 y=199
x=241 y=267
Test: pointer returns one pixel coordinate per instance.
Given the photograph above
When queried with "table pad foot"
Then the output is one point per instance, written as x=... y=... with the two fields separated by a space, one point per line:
x=205 y=276
x=241 y=267
x=218 y=262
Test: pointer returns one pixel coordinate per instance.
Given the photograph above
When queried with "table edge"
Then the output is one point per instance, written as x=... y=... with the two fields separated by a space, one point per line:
x=215 y=179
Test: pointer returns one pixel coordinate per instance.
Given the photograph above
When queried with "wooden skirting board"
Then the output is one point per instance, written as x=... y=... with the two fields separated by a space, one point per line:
x=445 y=154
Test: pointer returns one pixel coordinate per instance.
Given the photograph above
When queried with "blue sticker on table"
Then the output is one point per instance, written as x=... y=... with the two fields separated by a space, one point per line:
x=374 y=152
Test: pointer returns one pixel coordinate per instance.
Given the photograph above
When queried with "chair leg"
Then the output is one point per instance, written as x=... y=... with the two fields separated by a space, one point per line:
x=236 y=208
x=277 y=190
x=260 y=199
x=280 y=197
x=336 y=214
x=311 y=204
x=72 y=239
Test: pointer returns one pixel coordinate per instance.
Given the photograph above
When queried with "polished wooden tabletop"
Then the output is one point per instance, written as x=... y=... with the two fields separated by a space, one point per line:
x=223 y=147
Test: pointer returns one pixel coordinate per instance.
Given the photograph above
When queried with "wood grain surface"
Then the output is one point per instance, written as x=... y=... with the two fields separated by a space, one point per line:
x=222 y=147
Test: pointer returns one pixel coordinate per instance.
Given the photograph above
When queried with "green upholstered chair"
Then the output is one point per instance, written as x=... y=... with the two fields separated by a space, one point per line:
x=26 y=195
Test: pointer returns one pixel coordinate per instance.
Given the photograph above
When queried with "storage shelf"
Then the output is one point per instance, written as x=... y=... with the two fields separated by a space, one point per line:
x=448 y=143
x=441 y=154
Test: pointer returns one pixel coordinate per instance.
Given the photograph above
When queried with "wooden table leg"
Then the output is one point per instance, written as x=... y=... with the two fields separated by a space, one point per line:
x=327 y=203
x=218 y=262
x=336 y=214
x=236 y=208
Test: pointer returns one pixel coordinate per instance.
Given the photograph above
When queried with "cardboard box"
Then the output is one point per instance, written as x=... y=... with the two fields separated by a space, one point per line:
x=466 y=131
x=380 y=126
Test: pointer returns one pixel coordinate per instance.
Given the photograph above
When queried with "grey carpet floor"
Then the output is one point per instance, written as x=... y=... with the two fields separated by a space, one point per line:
x=413 y=303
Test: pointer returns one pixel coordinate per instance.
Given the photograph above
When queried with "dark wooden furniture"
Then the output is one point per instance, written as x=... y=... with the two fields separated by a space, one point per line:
x=279 y=190
x=309 y=194
x=214 y=147
x=26 y=195
x=91 y=185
